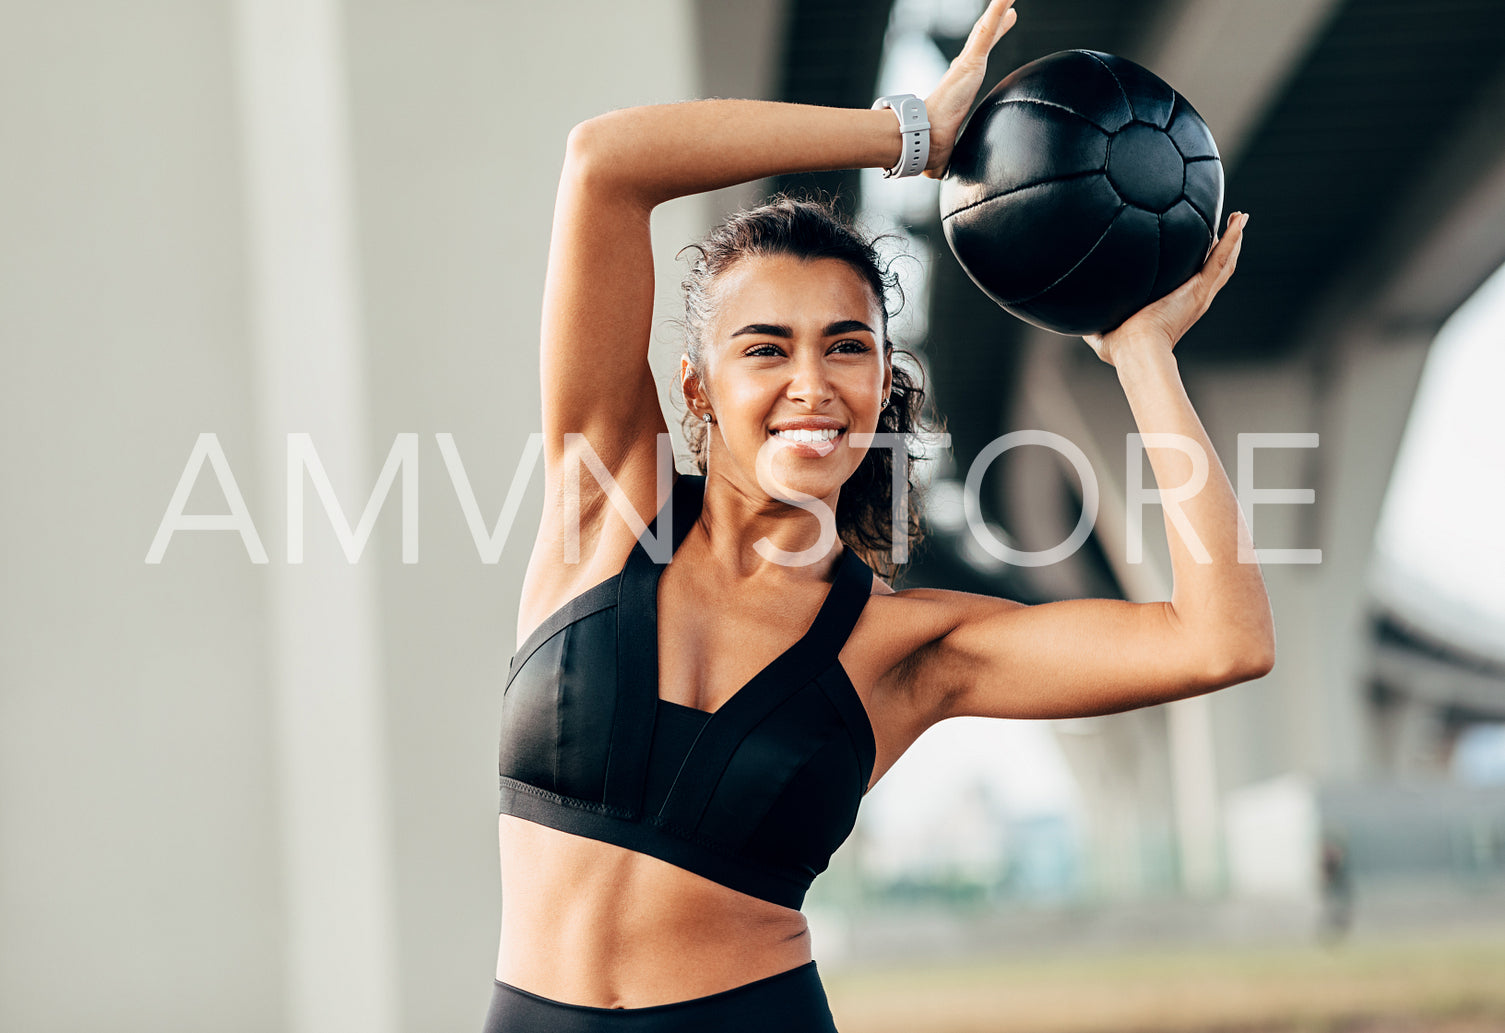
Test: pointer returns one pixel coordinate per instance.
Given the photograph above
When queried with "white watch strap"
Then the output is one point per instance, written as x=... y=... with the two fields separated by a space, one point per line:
x=914 y=127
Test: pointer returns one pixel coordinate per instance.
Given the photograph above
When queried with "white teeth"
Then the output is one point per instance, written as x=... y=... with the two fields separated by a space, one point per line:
x=807 y=435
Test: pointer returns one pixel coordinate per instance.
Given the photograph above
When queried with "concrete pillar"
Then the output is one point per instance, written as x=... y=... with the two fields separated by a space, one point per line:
x=324 y=662
x=240 y=796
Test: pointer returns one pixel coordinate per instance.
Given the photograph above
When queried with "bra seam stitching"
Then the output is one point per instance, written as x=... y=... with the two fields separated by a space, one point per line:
x=606 y=809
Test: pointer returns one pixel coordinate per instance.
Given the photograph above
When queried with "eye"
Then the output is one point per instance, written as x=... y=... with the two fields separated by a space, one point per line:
x=851 y=346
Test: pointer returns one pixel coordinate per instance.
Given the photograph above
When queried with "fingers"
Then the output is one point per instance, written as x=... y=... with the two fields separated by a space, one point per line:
x=1226 y=253
x=1234 y=234
x=1223 y=260
x=1173 y=315
x=996 y=20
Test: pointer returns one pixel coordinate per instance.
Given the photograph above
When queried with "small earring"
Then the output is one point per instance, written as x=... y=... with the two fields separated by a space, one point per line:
x=706 y=417
x=884 y=405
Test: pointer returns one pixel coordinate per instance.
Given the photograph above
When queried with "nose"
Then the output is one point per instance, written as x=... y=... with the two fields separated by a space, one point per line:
x=810 y=384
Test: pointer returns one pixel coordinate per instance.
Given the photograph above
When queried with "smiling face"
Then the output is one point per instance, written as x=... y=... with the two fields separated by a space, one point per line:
x=793 y=343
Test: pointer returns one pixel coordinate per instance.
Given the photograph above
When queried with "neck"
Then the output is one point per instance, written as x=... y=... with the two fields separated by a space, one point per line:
x=750 y=535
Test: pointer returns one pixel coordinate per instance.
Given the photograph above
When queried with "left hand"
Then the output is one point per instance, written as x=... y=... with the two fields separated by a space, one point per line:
x=948 y=105
x=1168 y=319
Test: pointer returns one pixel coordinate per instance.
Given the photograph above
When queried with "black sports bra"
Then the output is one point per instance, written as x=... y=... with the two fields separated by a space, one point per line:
x=756 y=795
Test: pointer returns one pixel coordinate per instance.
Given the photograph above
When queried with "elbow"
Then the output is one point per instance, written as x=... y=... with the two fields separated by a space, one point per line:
x=584 y=148
x=1242 y=661
x=598 y=153
x=597 y=158
x=1259 y=660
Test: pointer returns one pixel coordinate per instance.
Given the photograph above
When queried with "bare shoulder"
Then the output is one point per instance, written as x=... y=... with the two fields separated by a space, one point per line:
x=942 y=608
x=895 y=625
x=918 y=616
x=901 y=627
x=932 y=616
x=892 y=656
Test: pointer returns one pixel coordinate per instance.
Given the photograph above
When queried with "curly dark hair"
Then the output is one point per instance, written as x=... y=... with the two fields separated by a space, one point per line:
x=812 y=229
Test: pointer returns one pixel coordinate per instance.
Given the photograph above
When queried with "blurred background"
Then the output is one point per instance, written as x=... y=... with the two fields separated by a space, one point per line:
x=239 y=792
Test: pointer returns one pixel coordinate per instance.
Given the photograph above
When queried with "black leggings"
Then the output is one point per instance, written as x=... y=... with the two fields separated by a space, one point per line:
x=789 y=1002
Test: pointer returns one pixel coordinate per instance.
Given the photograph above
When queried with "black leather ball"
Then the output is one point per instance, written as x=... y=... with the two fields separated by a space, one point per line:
x=1080 y=190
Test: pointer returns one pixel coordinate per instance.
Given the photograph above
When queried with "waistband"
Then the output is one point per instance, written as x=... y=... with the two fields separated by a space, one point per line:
x=793 y=1001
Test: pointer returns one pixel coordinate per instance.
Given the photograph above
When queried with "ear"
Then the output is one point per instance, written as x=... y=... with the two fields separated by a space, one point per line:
x=888 y=371
x=690 y=385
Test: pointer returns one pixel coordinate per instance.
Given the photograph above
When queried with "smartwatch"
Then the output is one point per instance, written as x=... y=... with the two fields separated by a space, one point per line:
x=915 y=129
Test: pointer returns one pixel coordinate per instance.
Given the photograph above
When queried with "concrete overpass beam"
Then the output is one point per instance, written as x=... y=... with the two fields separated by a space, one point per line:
x=1232 y=58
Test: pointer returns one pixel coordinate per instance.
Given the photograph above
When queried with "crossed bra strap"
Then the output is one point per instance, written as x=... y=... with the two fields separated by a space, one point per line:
x=637 y=657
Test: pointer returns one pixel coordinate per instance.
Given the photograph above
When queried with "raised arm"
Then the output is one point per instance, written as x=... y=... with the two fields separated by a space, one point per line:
x=598 y=295
x=996 y=658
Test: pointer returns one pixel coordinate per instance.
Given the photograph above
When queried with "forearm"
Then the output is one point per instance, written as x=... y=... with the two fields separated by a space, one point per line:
x=665 y=151
x=1219 y=603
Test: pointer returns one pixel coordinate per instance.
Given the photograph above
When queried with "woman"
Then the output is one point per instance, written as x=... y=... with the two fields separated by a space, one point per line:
x=684 y=743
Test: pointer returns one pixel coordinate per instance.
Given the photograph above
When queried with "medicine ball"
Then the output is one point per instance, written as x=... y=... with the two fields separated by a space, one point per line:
x=1080 y=190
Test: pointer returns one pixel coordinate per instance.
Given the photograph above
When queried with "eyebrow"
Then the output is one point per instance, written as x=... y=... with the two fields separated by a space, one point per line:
x=841 y=326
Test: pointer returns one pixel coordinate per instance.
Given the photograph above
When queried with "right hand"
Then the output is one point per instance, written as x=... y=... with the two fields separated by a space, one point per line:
x=1164 y=322
x=948 y=105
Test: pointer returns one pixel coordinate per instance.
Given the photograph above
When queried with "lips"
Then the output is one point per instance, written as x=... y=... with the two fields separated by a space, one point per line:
x=795 y=433
x=815 y=448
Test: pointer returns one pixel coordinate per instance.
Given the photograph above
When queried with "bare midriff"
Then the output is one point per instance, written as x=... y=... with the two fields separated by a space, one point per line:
x=591 y=923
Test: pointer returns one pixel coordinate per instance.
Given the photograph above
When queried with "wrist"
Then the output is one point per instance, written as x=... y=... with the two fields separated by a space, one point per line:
x=913 y=125
x=1141 y=353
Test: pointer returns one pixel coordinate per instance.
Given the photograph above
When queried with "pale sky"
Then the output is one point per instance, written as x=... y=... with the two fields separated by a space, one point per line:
x=1440 y=526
